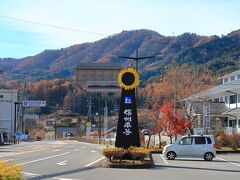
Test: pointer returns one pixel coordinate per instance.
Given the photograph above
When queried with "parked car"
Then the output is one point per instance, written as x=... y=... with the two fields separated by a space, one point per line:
x=191 y=146
x=145 y=131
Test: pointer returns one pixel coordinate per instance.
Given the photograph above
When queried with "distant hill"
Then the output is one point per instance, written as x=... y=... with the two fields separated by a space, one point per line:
x=218 y=53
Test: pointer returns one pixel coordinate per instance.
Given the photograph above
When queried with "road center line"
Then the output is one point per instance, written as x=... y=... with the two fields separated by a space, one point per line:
x=56 y=150
x=25 y=152
x=9 y=160
x=62 y=178
x=94 y=162
x=165 y=161
x=75 y=149
x=228 y=161
x=30 y=174
x=36 y=160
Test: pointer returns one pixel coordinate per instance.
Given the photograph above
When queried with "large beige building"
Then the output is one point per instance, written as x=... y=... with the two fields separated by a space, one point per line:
x=98 y=76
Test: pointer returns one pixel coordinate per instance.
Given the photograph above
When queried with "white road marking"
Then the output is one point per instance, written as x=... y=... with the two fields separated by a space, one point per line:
x=165 y=161
x=93 y=151
x=62 y=163
x=25 y=152
x=36 y=160
x=30 y=174
x=62 y=178
x=56 y=150
x=94 y=162
x=228 y=161
x=8 y=160
x=75 y=149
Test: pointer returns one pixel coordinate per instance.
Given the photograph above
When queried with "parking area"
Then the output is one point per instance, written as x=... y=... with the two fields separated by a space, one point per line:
x=222 y=163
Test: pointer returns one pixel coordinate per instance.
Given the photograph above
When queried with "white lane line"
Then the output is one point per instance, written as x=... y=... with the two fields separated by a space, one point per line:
x=62 y=163
x=56 y=150
x=8 y=160
x=228 y=161
x=94 y=162
x=93 y=151
x=62 y=178
x=30 y=174
x=36 y=160
x=75 y=150
x=165 y=161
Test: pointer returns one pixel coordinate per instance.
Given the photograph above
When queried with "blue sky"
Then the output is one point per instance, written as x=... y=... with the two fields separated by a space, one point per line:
x=101 y=18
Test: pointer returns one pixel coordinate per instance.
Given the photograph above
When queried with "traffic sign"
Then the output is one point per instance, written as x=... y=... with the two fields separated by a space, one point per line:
x=34 y=103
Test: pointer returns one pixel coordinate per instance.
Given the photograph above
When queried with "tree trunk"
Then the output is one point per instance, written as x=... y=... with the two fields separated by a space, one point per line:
x=170 y=139
x=190 y=130
x=149 y=138
x=160 y=143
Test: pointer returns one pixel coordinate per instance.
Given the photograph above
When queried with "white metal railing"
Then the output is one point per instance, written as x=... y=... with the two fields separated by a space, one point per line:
x=230 y=130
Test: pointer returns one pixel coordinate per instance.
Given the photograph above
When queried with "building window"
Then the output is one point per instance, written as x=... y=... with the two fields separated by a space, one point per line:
x=233 y=99
x=226 y=99
x=1 y=96
x=239 y=98
x=221 y=99
x=216 y=100
x=239 y=123
x=225 y=80
x=232 y=78
x=232 y=123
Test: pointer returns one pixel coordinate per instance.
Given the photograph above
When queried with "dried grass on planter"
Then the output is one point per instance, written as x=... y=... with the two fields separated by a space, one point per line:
x=113 y=153
x=138 y=153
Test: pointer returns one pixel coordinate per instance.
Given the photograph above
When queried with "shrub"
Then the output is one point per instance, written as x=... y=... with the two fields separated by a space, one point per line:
x=232 y=141
x=138 y=152
x=9 y=171
x=113 y=153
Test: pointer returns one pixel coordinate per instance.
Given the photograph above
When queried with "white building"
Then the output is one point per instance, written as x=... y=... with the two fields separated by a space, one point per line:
x=7 y=111
x=219 y=107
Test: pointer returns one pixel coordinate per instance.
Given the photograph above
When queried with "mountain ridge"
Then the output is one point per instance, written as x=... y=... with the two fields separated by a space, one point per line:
x=185 y=48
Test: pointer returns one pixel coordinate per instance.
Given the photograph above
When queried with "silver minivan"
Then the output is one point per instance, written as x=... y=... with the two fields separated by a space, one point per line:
x=191 y=146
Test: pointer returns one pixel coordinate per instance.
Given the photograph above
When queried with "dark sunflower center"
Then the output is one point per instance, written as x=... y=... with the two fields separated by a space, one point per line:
x=128 y=78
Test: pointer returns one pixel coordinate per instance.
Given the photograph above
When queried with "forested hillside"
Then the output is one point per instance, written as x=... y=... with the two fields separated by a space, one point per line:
x=217 y=53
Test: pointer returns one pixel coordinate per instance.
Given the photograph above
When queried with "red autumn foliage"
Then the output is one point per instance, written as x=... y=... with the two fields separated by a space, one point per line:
x=173 y=123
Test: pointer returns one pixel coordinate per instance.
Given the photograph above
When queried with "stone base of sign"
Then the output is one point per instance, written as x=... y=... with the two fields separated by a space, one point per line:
x=145 y=164
x=129 y=165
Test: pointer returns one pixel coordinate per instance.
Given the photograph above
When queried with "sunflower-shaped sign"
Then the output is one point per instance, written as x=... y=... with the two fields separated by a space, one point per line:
x=128 y=78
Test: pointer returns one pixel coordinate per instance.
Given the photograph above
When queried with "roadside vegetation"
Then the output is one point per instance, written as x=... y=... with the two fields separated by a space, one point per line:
x=9 y=171
x=224 y=142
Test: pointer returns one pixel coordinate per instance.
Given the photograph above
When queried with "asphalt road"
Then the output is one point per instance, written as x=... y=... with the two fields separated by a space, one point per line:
x=67 y=160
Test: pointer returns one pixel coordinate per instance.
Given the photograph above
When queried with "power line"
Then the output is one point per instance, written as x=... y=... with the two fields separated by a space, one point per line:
x=52 y=26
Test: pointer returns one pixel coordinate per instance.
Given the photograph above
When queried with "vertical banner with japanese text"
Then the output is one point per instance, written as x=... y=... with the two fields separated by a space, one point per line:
x=127 y=127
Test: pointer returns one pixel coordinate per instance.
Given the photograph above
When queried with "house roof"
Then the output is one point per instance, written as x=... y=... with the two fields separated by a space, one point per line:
x=232 y=74
x=217 y=91
x=117 y=66
x=232 y=112
x=215 y=108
